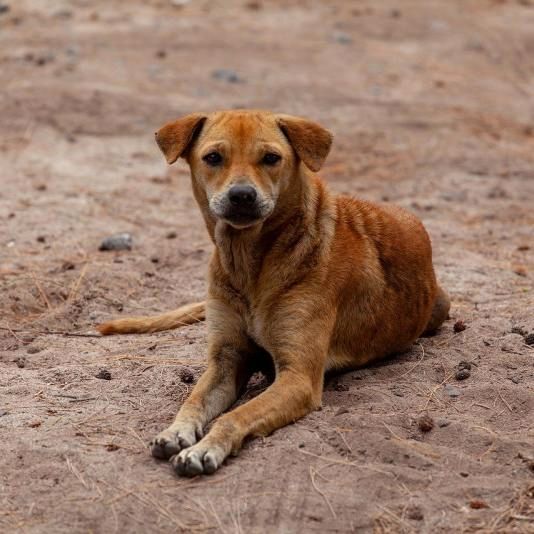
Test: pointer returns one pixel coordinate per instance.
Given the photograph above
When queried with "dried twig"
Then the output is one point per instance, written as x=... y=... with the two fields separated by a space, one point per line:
x=416 y=365
x=321 y=493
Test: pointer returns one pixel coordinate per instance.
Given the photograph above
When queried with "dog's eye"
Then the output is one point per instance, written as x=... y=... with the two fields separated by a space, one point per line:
x=271 y=159
x=213 y=159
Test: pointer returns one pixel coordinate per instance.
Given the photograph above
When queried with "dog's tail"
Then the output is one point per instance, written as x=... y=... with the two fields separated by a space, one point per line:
x=185 y=315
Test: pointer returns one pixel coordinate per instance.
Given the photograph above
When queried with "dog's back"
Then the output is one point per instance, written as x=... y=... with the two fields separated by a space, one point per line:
x=387 y=286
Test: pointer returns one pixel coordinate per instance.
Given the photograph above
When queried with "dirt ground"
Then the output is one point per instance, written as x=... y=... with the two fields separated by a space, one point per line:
x=432 y=107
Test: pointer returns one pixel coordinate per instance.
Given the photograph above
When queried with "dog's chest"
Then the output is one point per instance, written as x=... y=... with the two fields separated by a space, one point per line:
x=256 y=327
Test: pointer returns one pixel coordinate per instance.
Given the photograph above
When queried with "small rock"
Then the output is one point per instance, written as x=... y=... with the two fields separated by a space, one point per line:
x=63 y=14
x=522 y=248
x=462 y=374
x=41 y=239
x=520 y=270
x=464 y=474
x=341 y=411
x=171 y=235
x=34 y=350
x=341 y=387
x=103 y=374
x=162 y=54
x=465 y=365
x=4 y=8
x=515 y=380
x=302 y=445
x=154 y=259
x=477 y=504
x=442 y=423
x=117 y=242
x=111 y=447
x=425 y=423
x=21 y=362
x=451 y=391
x=68 y=266
x=459 y=326
x=519 y=330
x=529 y=339
x=342 y=37
x=254 y=6
x=35 y=424
x=44 y=59
x=3 y=412
x=415 y=513
x=227 y=75
x=187 y=376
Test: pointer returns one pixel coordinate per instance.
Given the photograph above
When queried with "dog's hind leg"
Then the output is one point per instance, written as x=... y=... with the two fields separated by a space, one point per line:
x=440 y=312
x=185 y=315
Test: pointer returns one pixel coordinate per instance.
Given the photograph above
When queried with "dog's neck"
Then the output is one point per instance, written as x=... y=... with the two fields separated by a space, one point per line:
x=242 y=252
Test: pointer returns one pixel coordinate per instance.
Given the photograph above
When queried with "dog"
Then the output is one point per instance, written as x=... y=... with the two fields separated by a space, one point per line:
x=301 y=281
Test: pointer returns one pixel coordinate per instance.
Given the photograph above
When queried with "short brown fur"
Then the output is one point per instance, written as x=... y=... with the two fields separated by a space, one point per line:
x=321 y=282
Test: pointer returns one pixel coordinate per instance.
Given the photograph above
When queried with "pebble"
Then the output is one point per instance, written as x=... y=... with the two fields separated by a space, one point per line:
x=464 y=365
x=21 y=362
x=117 y=242
x=3 y=412
x=342 y=37
x=415 y=513
x=519 y=330
x=477 y=504
x=187 y=376
x=462 y=374
x=451 y=391
x=103 y=374
x=442 y=423
x=459 y=326
x=34 y=350
x=171 y=235
x=425 y=423
x=529 y=339
x=226 y=75
x=4 y=8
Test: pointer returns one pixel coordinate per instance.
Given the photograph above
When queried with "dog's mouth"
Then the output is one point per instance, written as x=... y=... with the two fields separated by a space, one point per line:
x=242 y=219
x=240 y=216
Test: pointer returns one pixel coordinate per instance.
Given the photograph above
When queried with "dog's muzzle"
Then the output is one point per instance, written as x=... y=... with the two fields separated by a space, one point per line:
x=241 y=205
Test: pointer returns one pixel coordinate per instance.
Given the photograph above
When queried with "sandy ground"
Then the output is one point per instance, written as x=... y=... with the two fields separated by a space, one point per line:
x=432 y=106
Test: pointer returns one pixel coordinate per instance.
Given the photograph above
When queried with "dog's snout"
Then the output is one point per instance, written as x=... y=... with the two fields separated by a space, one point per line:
x=242 y=195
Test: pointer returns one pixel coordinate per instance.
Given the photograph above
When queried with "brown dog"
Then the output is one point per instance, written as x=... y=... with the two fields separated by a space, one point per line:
x=315 y=281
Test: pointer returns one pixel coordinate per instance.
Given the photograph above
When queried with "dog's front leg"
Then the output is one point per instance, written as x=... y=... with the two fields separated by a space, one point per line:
x=229 y=368
x=296 y=391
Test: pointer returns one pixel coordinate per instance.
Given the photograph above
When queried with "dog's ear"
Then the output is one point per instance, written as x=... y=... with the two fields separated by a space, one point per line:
x=309 y=140
x=175 y=138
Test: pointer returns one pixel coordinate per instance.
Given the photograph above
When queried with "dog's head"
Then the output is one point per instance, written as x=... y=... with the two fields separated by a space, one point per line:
x=244 y=160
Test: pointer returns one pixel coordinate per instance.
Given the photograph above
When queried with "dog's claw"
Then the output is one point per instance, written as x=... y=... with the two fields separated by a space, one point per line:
x=192 y=462
x=169 y=443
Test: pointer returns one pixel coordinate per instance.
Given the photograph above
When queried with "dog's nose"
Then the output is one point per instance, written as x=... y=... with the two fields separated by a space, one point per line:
x=242 y=195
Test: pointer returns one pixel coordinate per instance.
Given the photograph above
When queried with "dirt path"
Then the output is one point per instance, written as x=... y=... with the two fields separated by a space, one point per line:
x=432 y=106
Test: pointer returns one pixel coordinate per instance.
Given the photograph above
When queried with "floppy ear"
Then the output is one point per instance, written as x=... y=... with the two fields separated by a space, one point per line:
x=310 y=141
x=175 y=137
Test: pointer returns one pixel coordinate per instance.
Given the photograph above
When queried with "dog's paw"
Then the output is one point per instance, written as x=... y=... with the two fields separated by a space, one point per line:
x=173 y=440
x=199 y=459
